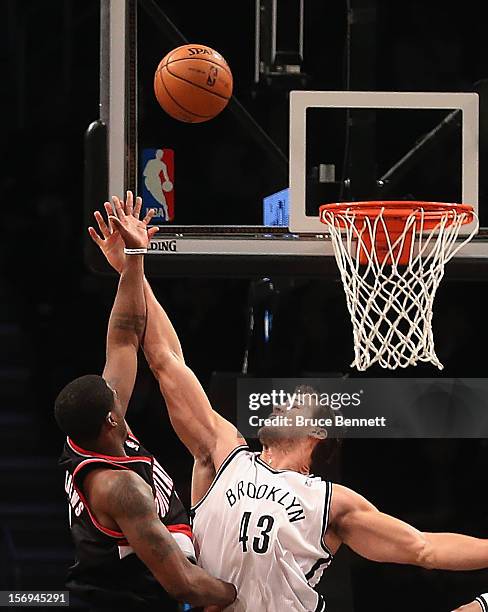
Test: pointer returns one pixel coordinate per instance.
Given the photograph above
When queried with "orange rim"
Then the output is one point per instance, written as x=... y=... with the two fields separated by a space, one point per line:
x=394 y=214
x=399 y=209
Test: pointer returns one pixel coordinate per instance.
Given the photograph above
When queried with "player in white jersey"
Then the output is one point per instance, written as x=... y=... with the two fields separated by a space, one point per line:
x=480 y=604
x=261 y=520
x=268 y=532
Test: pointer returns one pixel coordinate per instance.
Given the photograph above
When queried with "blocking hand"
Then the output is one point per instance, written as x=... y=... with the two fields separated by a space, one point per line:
x=111 y=243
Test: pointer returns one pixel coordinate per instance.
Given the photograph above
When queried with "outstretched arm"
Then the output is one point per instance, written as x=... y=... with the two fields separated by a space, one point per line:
x=380 y=537
x=207 y=435
x=128 y=316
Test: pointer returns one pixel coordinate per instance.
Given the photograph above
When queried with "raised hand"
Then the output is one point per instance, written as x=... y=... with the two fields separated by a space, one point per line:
x=111 y=243
x=133 y=231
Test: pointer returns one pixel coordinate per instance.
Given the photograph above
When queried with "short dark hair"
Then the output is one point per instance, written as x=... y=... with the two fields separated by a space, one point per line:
x=82 y=406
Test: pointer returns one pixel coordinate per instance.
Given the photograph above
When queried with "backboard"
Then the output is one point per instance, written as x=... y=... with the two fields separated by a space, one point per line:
x=343 y=145
x=397 y=129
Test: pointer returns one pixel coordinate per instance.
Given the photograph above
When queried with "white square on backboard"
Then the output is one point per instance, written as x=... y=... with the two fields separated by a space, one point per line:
x=300 y=101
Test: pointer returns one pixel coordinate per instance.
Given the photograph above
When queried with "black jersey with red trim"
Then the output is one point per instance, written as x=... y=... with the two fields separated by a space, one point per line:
x=106 y=571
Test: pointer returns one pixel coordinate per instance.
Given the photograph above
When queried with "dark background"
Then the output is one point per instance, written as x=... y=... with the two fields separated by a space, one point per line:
x=54 y=311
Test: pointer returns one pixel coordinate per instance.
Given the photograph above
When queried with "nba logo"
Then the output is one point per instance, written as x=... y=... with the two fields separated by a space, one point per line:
x=157 y=180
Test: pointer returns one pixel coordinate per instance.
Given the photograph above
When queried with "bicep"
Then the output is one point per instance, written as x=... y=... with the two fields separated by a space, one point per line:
x=130 y=502
x=375 y=535
x=120 y=372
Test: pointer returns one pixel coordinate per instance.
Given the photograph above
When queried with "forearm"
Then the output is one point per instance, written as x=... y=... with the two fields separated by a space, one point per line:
x=206 y=590
x=452 y=551
x=380 y=537
x=160 y=337
x=128 y=316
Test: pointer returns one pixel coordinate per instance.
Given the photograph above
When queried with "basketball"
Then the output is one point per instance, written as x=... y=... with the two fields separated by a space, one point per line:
x=193 y=83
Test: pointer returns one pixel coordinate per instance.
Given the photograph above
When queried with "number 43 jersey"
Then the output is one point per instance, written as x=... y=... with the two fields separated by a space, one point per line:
x=263 y=530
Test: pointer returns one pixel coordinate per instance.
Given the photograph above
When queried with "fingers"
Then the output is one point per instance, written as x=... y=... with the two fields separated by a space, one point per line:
x=116 y=222
x=150 y=214
x=151 y=231
x=110 y=211
x=119 y=211
x=137 y=207
x=94 y=236
x=129 y=203
x=101 y=224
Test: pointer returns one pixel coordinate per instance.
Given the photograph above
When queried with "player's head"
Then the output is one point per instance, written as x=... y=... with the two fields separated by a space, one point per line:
x=292 y=434
x=88 y=411
x=159 y=154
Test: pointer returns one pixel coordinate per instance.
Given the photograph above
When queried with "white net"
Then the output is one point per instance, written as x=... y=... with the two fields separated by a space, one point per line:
x=391 y=278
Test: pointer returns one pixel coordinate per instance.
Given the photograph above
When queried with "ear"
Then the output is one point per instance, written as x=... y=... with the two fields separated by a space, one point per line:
x=111 y=420
x=319 y=433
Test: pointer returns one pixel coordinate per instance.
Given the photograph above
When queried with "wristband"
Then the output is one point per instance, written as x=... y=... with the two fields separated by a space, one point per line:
x=135 y=251
x=483 y=601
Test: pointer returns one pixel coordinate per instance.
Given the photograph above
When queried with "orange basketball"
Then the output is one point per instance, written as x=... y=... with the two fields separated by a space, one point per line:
x=193 y=83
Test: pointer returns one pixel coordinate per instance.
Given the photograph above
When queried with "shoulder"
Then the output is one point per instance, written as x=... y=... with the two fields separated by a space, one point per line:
x=345 y=495
x=240 y=452
x=206 y=478
x=312 y=490
x=345 y=500
x=119 y=491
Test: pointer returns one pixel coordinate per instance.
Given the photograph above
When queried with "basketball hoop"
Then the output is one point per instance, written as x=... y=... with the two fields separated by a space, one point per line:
x=391 y=256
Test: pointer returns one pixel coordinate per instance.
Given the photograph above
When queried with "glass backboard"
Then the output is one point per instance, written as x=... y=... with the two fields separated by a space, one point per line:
x=226 y=173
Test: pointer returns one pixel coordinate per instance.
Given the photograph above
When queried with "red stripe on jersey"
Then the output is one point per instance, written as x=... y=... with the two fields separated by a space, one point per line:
x=84 y=452
x=180 y=528
x=96 y=460
x=99 y=526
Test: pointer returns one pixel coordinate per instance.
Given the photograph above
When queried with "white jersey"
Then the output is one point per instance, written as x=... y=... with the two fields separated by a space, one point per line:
x=263 y=530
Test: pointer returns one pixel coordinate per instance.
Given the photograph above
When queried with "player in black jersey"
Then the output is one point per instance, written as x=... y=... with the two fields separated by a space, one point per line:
x=131 y=532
